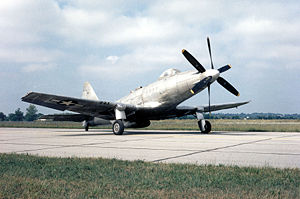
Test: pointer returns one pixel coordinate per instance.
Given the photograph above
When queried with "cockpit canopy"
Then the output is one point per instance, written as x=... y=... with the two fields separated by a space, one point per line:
x=169 y=73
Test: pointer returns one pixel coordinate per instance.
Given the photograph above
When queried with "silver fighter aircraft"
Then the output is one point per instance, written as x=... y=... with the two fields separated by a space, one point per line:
x=157 y=101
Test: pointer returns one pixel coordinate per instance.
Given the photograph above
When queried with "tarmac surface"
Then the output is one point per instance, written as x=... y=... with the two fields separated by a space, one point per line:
x=274 y=149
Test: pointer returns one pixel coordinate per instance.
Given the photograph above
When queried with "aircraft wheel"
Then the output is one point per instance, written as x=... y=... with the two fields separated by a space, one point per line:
x=207 y=127
x=86 y=127
x=118 y=127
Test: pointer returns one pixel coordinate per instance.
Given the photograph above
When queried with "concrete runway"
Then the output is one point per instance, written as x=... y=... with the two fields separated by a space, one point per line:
x=260 y=149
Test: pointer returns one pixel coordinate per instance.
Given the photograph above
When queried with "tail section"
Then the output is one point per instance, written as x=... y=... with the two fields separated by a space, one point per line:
x=88 y=92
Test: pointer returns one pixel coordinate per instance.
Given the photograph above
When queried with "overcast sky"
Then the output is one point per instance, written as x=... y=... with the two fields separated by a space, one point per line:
x=54 y=46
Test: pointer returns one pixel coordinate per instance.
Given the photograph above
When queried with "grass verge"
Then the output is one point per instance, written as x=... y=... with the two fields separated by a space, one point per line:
x=25 y=176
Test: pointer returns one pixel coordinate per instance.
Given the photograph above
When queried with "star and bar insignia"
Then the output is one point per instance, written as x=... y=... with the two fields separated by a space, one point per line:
x=65 y=102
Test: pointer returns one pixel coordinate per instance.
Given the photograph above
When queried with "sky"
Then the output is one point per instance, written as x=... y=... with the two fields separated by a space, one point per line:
x=54 y=46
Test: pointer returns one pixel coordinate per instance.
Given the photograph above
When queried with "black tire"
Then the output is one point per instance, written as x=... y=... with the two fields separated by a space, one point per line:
x=118 y=127
x=87 y=127
x=207 y=127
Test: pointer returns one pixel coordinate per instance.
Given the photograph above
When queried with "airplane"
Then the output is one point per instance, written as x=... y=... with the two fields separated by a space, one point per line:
x=157 y=101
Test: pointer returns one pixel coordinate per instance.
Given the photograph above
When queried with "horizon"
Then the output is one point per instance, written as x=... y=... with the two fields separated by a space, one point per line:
x=206 y=113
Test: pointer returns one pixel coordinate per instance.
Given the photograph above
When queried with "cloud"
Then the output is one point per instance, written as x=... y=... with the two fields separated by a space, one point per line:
x=118 y=40
x=28 y=55
x=25 y=31
x=38 y=67
x=141 y=60
x=112 y=59
x=244 y=30
x=103 y=29
x=27 y=22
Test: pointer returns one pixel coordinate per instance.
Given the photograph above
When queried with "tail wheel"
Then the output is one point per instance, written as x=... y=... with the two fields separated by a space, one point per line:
x=118 y=127
x=207 y=127
x=87 y=127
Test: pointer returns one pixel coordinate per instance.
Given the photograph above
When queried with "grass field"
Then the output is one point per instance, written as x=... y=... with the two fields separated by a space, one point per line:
x=231 y=125
x=25 y=176
x=217 y=125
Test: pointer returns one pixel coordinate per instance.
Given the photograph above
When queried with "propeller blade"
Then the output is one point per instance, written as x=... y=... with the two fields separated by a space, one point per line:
x=193 y=61
x=228 y=86
x=224 y=68
x=211 y=62
x=200 y=85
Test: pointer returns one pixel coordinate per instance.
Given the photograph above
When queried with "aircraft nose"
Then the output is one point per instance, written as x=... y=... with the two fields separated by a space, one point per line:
x=202 y=80
x=214 y=74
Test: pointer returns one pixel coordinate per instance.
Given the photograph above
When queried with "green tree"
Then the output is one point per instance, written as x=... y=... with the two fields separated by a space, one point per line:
x=2 y=117
x=17 y=116
x=31 y=113
x=40 y=115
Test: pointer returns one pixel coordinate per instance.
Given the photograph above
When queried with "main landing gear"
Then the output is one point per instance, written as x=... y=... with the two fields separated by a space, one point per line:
x=118 y=127
x=204 y=126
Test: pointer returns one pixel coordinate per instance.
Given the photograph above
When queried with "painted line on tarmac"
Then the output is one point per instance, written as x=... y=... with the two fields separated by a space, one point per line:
x=209 y=150
x=57 y=146
x=259 y=153
x=230 y=146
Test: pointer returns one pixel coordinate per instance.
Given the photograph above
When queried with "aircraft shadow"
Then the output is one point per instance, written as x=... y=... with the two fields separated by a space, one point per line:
x=102 y=132
x=186 y=133
x=160 y=132
x=91 y=132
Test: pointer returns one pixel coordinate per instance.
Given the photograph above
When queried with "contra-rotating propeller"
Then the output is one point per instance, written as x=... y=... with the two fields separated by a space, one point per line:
x=201 y=69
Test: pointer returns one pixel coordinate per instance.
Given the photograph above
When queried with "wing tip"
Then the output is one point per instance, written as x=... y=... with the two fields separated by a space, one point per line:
x=245 y=102
x=26 y=95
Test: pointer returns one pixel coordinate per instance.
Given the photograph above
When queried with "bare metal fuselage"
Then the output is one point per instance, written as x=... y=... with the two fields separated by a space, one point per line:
x=166 y=93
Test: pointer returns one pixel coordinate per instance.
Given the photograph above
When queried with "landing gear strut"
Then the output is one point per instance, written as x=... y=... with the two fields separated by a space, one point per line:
x=86 y=125
x=204 y=126
x=118 y=127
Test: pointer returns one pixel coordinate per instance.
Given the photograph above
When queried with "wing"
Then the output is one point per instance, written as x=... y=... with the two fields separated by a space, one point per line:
x=218 y=107
x=187 y=110
x=102 y=109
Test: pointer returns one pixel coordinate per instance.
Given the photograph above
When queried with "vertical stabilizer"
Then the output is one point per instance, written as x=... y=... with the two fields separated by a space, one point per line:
x=88 y=92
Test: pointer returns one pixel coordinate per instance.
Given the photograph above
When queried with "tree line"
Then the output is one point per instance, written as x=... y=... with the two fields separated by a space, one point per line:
x=248 y=116
x=30 y=115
